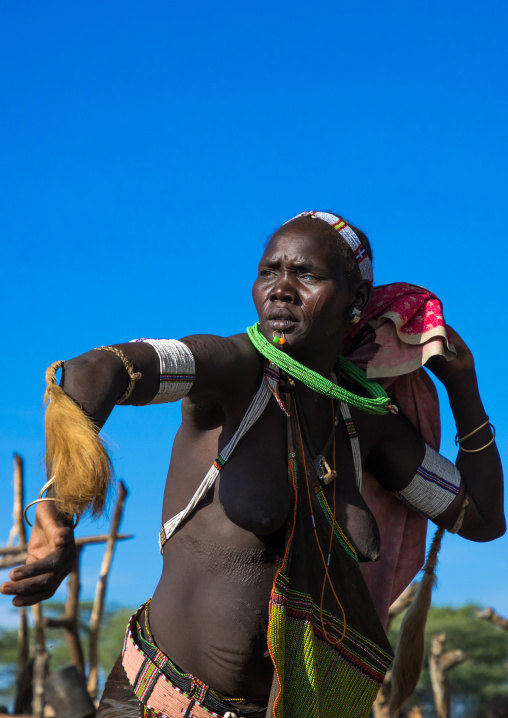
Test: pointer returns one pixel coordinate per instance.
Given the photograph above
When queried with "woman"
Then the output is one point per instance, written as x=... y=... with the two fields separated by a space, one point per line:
x=261 y=571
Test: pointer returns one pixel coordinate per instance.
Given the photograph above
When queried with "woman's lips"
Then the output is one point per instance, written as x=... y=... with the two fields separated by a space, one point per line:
x=280 y=324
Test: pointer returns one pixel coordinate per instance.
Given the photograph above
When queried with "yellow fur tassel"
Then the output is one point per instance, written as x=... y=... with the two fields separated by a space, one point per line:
x=75 y=455
x=410 y=651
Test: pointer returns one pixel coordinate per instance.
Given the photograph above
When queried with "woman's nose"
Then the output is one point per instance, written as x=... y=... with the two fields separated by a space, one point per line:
x=283 y=289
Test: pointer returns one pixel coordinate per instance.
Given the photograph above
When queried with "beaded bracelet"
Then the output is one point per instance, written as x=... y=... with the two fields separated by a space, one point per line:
x=129 y=366
x=45 y=498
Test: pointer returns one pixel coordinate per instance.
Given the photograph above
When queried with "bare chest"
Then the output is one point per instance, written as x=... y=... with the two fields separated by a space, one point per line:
x=251 y=499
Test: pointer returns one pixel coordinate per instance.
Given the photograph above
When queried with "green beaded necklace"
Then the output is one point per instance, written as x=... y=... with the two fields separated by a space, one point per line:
x=379 y=404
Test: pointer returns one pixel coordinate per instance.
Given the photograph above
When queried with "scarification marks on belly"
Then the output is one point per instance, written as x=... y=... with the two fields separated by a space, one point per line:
x=252 y=621
x=244 y=566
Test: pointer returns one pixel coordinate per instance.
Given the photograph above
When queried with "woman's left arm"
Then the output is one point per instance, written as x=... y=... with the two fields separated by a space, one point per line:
x=431 y=484
x=478 y=458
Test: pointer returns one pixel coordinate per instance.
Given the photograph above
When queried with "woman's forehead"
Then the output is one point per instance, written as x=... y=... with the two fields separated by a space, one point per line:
x=301 y=245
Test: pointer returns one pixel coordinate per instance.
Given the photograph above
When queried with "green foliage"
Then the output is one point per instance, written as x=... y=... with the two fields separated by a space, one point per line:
x=111 y=636
x=8 y=663
x=484 y=674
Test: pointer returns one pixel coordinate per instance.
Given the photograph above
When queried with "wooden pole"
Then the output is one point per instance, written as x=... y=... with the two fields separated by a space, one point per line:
x=439 y=664
x=405 y=599
x=488 y=614
x=14 y=555
x=100 y=593
x=41 y=660
x=380 y=707
x=19 y=500
x=19 y=531
x=69 y=620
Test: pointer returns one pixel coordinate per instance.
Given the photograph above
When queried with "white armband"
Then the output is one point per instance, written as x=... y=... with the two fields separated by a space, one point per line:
x=434 y=486
x=177 y=369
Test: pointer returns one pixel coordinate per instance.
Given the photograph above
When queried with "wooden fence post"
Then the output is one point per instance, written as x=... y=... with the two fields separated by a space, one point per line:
x=439 y=665
x=100 y=593
x=380 y=707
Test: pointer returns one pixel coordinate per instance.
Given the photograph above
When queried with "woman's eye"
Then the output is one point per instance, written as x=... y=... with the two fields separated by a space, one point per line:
x=266 y=272
x=307 y=276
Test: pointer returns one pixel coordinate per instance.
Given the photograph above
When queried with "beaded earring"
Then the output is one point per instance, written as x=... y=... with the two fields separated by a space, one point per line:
x=356 y=315
x=279 y=340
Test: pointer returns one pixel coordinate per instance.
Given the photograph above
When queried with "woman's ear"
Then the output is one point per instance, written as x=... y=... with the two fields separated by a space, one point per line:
x=361 y=296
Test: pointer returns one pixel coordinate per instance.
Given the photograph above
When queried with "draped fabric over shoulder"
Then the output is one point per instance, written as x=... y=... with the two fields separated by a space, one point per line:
x=401 y=329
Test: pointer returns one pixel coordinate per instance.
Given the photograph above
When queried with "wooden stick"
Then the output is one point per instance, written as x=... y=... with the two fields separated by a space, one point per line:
x=41 y=659
x=22 y=641
x=405 y=599
x=20 y=532
x=19 y=500
x=488 y=614
x=100 y=593
x=13 y=556
x=380 y=707
x=439 y=665
x=69 y=620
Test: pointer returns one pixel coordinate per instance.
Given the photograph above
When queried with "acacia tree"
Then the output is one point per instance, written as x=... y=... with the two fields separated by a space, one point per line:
x=482 y=676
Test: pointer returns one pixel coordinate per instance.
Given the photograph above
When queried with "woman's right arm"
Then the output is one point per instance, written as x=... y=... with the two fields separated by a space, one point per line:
x=96 y=381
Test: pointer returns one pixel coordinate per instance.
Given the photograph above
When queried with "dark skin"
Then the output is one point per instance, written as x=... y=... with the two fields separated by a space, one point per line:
x=209 y=612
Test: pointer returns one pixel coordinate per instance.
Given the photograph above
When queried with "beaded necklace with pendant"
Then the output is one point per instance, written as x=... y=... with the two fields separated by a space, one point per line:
x=380 y=403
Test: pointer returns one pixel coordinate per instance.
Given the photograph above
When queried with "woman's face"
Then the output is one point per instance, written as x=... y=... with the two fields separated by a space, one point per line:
x=302 y=290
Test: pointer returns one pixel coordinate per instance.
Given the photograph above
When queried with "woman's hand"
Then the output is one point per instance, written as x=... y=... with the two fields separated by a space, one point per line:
x=51 y=553
x=462 y=366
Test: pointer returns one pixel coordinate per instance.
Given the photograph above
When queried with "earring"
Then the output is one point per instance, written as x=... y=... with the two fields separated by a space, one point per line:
x=279 y=340
x=356 y=315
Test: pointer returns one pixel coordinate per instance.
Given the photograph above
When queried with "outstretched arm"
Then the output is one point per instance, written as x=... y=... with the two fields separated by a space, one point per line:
x=397 y=457
x=96 y=381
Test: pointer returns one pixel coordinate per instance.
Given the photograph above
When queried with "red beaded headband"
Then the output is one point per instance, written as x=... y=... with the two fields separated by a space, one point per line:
x=349 y=235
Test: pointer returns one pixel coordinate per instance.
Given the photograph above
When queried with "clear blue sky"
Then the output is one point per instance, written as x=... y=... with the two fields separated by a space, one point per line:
x=148 y=149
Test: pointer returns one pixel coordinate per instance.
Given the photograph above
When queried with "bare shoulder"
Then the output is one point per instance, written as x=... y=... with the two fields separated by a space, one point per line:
x=224 y=366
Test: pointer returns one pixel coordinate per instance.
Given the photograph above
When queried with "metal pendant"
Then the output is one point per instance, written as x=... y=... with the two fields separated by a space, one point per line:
x=323 y=470
x=320 y=469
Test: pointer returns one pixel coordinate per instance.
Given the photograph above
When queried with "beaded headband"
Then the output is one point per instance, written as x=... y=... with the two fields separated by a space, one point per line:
x=345 y=231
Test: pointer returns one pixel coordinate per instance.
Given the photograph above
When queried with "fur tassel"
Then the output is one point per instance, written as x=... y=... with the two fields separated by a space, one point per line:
x=75 y=455
x=410 y=651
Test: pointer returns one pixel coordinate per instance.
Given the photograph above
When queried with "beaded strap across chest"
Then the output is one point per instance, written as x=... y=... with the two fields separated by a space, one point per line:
x=269 y=387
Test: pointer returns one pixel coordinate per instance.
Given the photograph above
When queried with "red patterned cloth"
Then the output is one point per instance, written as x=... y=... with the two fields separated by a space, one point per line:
x=401 y=329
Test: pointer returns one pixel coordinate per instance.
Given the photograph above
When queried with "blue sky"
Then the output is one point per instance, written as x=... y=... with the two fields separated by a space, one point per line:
x=148 y=150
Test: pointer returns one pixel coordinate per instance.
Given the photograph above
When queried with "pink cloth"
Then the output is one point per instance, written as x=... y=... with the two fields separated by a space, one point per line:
x=402 y=327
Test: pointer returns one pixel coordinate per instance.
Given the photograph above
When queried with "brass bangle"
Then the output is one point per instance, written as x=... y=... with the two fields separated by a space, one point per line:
x=129 y=366
x=46 y=498
x=472 y=433
x=46 y=486
x=32 y=503
x=474 y=451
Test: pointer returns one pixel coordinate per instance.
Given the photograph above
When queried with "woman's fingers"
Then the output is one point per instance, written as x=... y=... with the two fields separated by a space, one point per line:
x=53 y=562
x=38 y=579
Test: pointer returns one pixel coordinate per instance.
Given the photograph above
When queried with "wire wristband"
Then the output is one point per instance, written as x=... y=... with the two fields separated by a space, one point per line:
x=44 y=498
x=471 y=433
x=475 y=451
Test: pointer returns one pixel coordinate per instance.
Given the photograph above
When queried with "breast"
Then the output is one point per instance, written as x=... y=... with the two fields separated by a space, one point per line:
x=254 y=489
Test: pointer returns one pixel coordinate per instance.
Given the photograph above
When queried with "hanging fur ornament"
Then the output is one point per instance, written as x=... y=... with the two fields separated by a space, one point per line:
x=75 y=454
x=410 y=651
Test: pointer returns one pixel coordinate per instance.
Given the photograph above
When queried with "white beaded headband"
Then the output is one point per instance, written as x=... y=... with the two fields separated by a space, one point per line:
x=349 y=235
